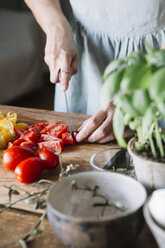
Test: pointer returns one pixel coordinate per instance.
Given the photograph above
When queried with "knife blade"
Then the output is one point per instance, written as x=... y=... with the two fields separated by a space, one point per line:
x=68 y=114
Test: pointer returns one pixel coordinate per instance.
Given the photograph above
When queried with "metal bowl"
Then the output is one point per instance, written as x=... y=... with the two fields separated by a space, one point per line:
x=80 y=219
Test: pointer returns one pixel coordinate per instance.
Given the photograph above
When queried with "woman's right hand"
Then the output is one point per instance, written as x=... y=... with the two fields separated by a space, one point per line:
x=60 y=53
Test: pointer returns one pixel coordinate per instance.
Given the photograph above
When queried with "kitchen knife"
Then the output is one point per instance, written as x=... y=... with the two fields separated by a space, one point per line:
x=68 y=114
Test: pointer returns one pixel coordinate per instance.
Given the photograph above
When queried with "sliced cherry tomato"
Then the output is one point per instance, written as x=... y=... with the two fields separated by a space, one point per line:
x=50 y=159
x=36 y=128
x=19 y=132
x=47 y=137
x=48 y=126
x=18 y=141
x=29 y=170
x=67 y=138
x=56 y=145
x=14 y=155
x=58 y=130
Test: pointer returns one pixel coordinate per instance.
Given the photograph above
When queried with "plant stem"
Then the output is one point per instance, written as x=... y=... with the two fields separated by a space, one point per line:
x=153 y=150
x=24 y=198
x=158 y=139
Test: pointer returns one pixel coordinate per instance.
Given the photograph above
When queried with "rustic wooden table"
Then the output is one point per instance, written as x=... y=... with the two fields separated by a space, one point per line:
x=16 y=222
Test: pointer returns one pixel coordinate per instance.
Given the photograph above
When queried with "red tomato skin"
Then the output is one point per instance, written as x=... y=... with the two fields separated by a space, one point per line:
x=48 y=126
x=58 y=130
x=29 y=170
x=12 y=156
x=56 y=145
x=67 y=138
x=50 y=159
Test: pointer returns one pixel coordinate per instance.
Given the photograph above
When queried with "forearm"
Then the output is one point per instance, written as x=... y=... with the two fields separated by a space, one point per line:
x=48 y=14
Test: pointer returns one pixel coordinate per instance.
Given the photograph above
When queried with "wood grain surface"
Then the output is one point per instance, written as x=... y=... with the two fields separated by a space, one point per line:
x=16 y=222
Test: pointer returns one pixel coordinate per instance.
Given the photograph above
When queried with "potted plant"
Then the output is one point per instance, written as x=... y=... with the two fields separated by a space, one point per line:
x=136 y=85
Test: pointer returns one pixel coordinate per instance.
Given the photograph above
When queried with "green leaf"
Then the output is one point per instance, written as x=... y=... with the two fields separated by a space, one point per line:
x=133 y=125
x=157 y=85
x=140 y=101
x=136 y=77
x=110 y=87
x=161 y=107
x=148 y=120
x=119 y=127
x=137 y=57
x=156 y=58
x=127 y=119
x=125 y=102
x=148 y=47
x=112 y=66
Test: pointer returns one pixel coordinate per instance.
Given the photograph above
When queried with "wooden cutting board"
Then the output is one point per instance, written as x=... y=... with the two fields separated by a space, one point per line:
x=77 y=154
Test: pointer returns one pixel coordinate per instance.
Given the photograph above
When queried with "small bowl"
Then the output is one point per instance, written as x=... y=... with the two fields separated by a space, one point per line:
x=80 y=224
x=113 y=159
x=157 y=230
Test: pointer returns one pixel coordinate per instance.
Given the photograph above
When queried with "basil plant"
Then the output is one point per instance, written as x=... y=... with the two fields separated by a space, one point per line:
x=136 y=85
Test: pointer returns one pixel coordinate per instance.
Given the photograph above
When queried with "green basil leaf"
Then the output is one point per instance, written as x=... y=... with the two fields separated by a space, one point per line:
x=110 y=87
x=148 y=119
x=137 y=57
x=140 y=101
x=156 y=58
x=157 y=85
x=161 y=107
x=133 y=125
x=119 y=127
x=136 y=77
x=125 y=101
x=127 y=119
x=112 y=66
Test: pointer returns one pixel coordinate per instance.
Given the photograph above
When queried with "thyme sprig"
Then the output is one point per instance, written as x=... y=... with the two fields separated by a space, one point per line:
x=36 y=198
x=95 y=193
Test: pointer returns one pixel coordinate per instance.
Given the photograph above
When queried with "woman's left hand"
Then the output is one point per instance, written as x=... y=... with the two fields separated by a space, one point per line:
x=98 y=128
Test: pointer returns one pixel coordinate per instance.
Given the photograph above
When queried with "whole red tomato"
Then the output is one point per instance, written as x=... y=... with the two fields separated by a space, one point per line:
x=14 y=155
x=50 y=159
x=29 y=170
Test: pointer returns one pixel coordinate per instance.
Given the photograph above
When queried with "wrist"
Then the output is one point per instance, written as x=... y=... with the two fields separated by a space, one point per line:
x=56 y=25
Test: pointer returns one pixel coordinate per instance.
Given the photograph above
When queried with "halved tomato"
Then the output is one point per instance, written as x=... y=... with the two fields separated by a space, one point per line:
x=67 y=138
x=56 y=145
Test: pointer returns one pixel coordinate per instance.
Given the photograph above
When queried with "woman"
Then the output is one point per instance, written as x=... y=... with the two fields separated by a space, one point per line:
x=103 y=30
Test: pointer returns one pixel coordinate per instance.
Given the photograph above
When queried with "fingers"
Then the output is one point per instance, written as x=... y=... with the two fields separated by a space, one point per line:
x=99 y=127
x=106 y=139
x=65 y=65
x=74 y=65
x=90 y=125
x=102 y=132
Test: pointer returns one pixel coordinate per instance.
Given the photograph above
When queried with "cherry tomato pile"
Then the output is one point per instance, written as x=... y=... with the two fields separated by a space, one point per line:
x=27 y=164
x=34 y=150
x=48 y=134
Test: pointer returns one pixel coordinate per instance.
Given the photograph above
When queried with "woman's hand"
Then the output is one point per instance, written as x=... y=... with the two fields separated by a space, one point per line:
x=98 y=128
x=60 y=50
x=61 y=54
